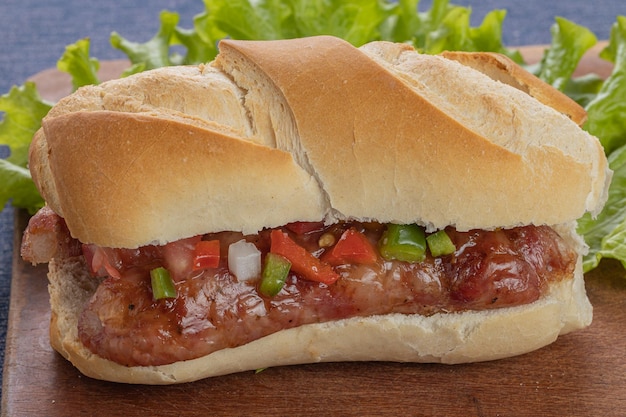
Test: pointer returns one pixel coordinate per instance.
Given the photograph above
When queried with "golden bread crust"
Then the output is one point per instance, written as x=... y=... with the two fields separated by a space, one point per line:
x=396 y=144
x=311 y=129
x=134 y=179
x=381 y=132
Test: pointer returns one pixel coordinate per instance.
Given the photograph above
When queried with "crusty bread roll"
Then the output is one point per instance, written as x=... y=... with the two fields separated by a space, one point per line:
x=315 y=129
x=174 y=179
x=379 y=132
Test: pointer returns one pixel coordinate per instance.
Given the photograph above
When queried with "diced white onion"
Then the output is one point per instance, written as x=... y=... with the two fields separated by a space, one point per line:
x=244 y=260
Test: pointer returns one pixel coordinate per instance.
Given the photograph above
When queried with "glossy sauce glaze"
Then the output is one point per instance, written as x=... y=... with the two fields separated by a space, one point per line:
x=213 y=310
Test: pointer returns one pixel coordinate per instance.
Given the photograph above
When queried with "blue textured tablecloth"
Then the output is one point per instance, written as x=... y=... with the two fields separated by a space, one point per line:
x=34 y=35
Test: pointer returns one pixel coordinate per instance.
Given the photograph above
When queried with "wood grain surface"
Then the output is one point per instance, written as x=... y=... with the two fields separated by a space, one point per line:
x=581 y=374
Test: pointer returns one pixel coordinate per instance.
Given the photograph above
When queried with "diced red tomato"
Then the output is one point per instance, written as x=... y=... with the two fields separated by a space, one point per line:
x=303 y=262
x=206 y=254
x=352 y=247
x=301 y=228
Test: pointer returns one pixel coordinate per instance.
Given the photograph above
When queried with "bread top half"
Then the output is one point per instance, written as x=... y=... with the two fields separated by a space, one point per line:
x=315 y=129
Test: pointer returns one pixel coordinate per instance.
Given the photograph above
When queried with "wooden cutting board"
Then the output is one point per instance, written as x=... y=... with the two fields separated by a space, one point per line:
x=581 y=374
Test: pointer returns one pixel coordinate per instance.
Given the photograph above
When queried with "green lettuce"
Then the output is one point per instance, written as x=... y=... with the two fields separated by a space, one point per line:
x=200 y=42
x=23 y=110
x=152 y=54
x=606 y=235
x=443 y=26
x=569 y=43
x=77 y=62
x=607 y=111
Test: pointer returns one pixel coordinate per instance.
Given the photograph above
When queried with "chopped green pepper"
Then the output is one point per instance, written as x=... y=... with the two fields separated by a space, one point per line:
x=403 y=242
x=440 y=244
x=162 y=284
x=274 y=274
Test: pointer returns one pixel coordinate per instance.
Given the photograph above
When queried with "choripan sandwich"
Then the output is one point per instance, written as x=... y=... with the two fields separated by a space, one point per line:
x=303 y=201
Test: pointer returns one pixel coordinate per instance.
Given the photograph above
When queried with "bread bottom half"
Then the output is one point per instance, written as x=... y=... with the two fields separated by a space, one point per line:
x=451 y=338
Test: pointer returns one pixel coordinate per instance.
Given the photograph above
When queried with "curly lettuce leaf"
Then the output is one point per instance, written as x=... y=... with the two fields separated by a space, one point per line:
x=355 y=21
x=584 y=89
x=607 y=111
x=445 y=27
x=200 y=42
x=569 y=43
x=23 y=110
x=18 y=187
x=244 y=19
x=606 y=235
x=152 y=54
x=77 y=62
x=402 y=22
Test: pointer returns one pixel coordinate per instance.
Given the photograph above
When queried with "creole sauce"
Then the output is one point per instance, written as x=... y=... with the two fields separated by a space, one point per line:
x=213 y=310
